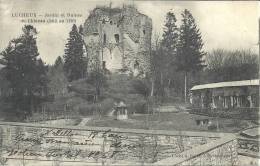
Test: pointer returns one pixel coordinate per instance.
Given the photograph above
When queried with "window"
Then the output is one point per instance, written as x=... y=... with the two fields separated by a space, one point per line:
x=136 y=65
x=104 y=64
x=104 y=39
x=111 y=22
x=117 y=38
x=144 y=32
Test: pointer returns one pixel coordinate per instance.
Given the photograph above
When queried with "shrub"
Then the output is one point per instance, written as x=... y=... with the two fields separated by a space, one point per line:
x=86 y=109
x=141 y=87
x=138 y=107
x=101 y=108
x=212 y=127
x=106 y=105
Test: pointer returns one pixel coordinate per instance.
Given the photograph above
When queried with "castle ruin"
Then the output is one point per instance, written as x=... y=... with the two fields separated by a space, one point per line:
x=119 y=39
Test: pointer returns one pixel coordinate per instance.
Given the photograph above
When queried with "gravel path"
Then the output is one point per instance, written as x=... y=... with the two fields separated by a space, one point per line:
x=84 y=121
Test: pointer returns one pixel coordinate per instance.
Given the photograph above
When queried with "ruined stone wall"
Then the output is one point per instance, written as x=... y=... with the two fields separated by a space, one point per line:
x=122 y=37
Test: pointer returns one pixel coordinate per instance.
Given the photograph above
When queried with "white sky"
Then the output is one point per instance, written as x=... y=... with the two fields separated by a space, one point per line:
x=229 y=25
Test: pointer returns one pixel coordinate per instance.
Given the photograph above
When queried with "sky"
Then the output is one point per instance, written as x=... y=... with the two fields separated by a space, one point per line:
x=223 y=24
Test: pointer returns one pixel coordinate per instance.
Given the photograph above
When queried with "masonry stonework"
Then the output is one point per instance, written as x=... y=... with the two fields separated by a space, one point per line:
x=222 y=155
x=120 y=38
x=46 y=144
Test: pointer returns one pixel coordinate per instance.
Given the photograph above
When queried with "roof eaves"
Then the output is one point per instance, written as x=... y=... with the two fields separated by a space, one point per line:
x=227 y=84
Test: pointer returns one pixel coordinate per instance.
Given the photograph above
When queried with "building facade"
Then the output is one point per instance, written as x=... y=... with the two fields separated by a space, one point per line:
x=235 y=96
x=119 y=39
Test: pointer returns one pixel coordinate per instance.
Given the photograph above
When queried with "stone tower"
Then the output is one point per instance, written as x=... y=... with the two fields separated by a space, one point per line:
x=119 y=38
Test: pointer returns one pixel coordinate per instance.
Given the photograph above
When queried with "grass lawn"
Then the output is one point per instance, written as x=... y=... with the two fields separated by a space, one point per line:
x=171 y=121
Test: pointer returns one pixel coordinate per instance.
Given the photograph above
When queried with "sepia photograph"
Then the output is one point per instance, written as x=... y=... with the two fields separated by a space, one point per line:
x=129 y=83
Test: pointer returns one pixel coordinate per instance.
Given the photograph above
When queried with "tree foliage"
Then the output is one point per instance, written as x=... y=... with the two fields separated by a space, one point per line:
x=74 y=63
x=223 y=65
x=190 y=45
x=97 y=78
x=163 y=56
x=58 y=82
x=190 y=49
x=167 y=50
x=170 y=35
x=25 y=71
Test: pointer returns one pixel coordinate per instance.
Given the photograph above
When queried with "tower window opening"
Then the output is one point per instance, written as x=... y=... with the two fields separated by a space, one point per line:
x=144 y=32
x=104 y=39
x=136 y=65
x=104 y=64
x=117 y=38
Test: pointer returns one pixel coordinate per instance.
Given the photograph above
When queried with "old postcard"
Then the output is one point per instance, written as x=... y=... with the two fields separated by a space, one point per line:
x=129 y=83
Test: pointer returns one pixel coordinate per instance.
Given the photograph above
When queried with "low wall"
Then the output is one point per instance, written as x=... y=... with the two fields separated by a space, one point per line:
x=31 y=144
x=249 y=147
x=234 y=113
x=222 y=152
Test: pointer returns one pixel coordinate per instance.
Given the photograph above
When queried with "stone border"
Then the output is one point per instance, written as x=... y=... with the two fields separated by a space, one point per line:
x=188 y=155
x=124 y=130
x=195 y=152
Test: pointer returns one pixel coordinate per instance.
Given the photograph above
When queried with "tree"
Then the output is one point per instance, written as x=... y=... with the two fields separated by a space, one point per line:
x=58 y=83
x=97 y=79
x=81 y=29
x=58 y=62
x=170 y=35
x=25 y=72
x=168 y=50
x=223 y=65
x=190 y=45
x=154 y=63
x=74 y=63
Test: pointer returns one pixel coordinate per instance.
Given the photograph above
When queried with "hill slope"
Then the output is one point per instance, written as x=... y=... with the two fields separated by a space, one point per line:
x=118 y=87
